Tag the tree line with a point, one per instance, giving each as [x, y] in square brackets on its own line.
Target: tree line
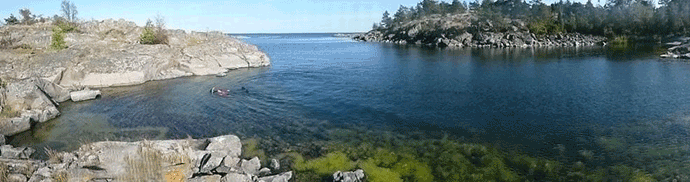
[614, 18]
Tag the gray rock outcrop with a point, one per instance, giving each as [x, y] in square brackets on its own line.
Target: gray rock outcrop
[138, 161]
[465, 30]
[35, 78]
[25, 103]
[680, 49]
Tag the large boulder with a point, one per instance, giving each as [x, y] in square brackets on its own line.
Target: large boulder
[24, 103]
[229, 145]
[250, 166]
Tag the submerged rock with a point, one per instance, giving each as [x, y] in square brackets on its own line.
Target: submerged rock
[349, 176]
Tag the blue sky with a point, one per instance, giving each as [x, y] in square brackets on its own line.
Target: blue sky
[237, 16]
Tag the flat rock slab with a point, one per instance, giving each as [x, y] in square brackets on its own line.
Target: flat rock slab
[82, 95]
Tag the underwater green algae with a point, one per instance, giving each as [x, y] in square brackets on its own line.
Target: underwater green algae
[325, 165]
[250, 148]
[388, 158]
[427, 160]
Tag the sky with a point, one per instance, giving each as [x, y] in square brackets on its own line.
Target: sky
[235, 16]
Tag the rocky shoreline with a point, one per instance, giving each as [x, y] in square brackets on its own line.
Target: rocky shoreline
[212, 159]
[680, 49]
[465, 30]
[34, 78]
[489, 39]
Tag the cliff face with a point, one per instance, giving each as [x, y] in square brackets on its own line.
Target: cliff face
[467, 30]
[101, 54]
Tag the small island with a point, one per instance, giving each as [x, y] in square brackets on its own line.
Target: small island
[512, 23]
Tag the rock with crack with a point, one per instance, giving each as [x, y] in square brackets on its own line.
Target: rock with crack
[25, 102]
[209, 162]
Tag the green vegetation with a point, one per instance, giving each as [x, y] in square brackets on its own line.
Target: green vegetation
[27, 18]
[615, 18]
[154, 34]
[621, 41]
[12, 20]
[58, 39]
[65, 26]
[250, 148]
[386, 158]
[326, 165]
[542, 27]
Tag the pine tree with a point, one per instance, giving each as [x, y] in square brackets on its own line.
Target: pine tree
[12, 20]
[386, 20]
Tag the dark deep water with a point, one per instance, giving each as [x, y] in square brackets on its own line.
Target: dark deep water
[529, 99]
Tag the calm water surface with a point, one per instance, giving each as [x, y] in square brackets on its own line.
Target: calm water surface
[534, 100]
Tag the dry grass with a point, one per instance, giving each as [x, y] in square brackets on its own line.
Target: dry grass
[60, 176]
[54, 156]
[147, 167]
[176, 174]
[150, 164]
[8, 112]
[192, 41]
[4, 171]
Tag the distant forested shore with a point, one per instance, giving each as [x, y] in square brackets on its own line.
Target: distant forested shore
[518, 23]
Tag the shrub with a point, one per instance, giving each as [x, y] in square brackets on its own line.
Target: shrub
[65, 26]
[12, 20]
[154, 34]
[58, 39]
[620, 41]
[542, 27]
[147, 36]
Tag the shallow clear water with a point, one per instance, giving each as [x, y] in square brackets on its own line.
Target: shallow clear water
[526, 99]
